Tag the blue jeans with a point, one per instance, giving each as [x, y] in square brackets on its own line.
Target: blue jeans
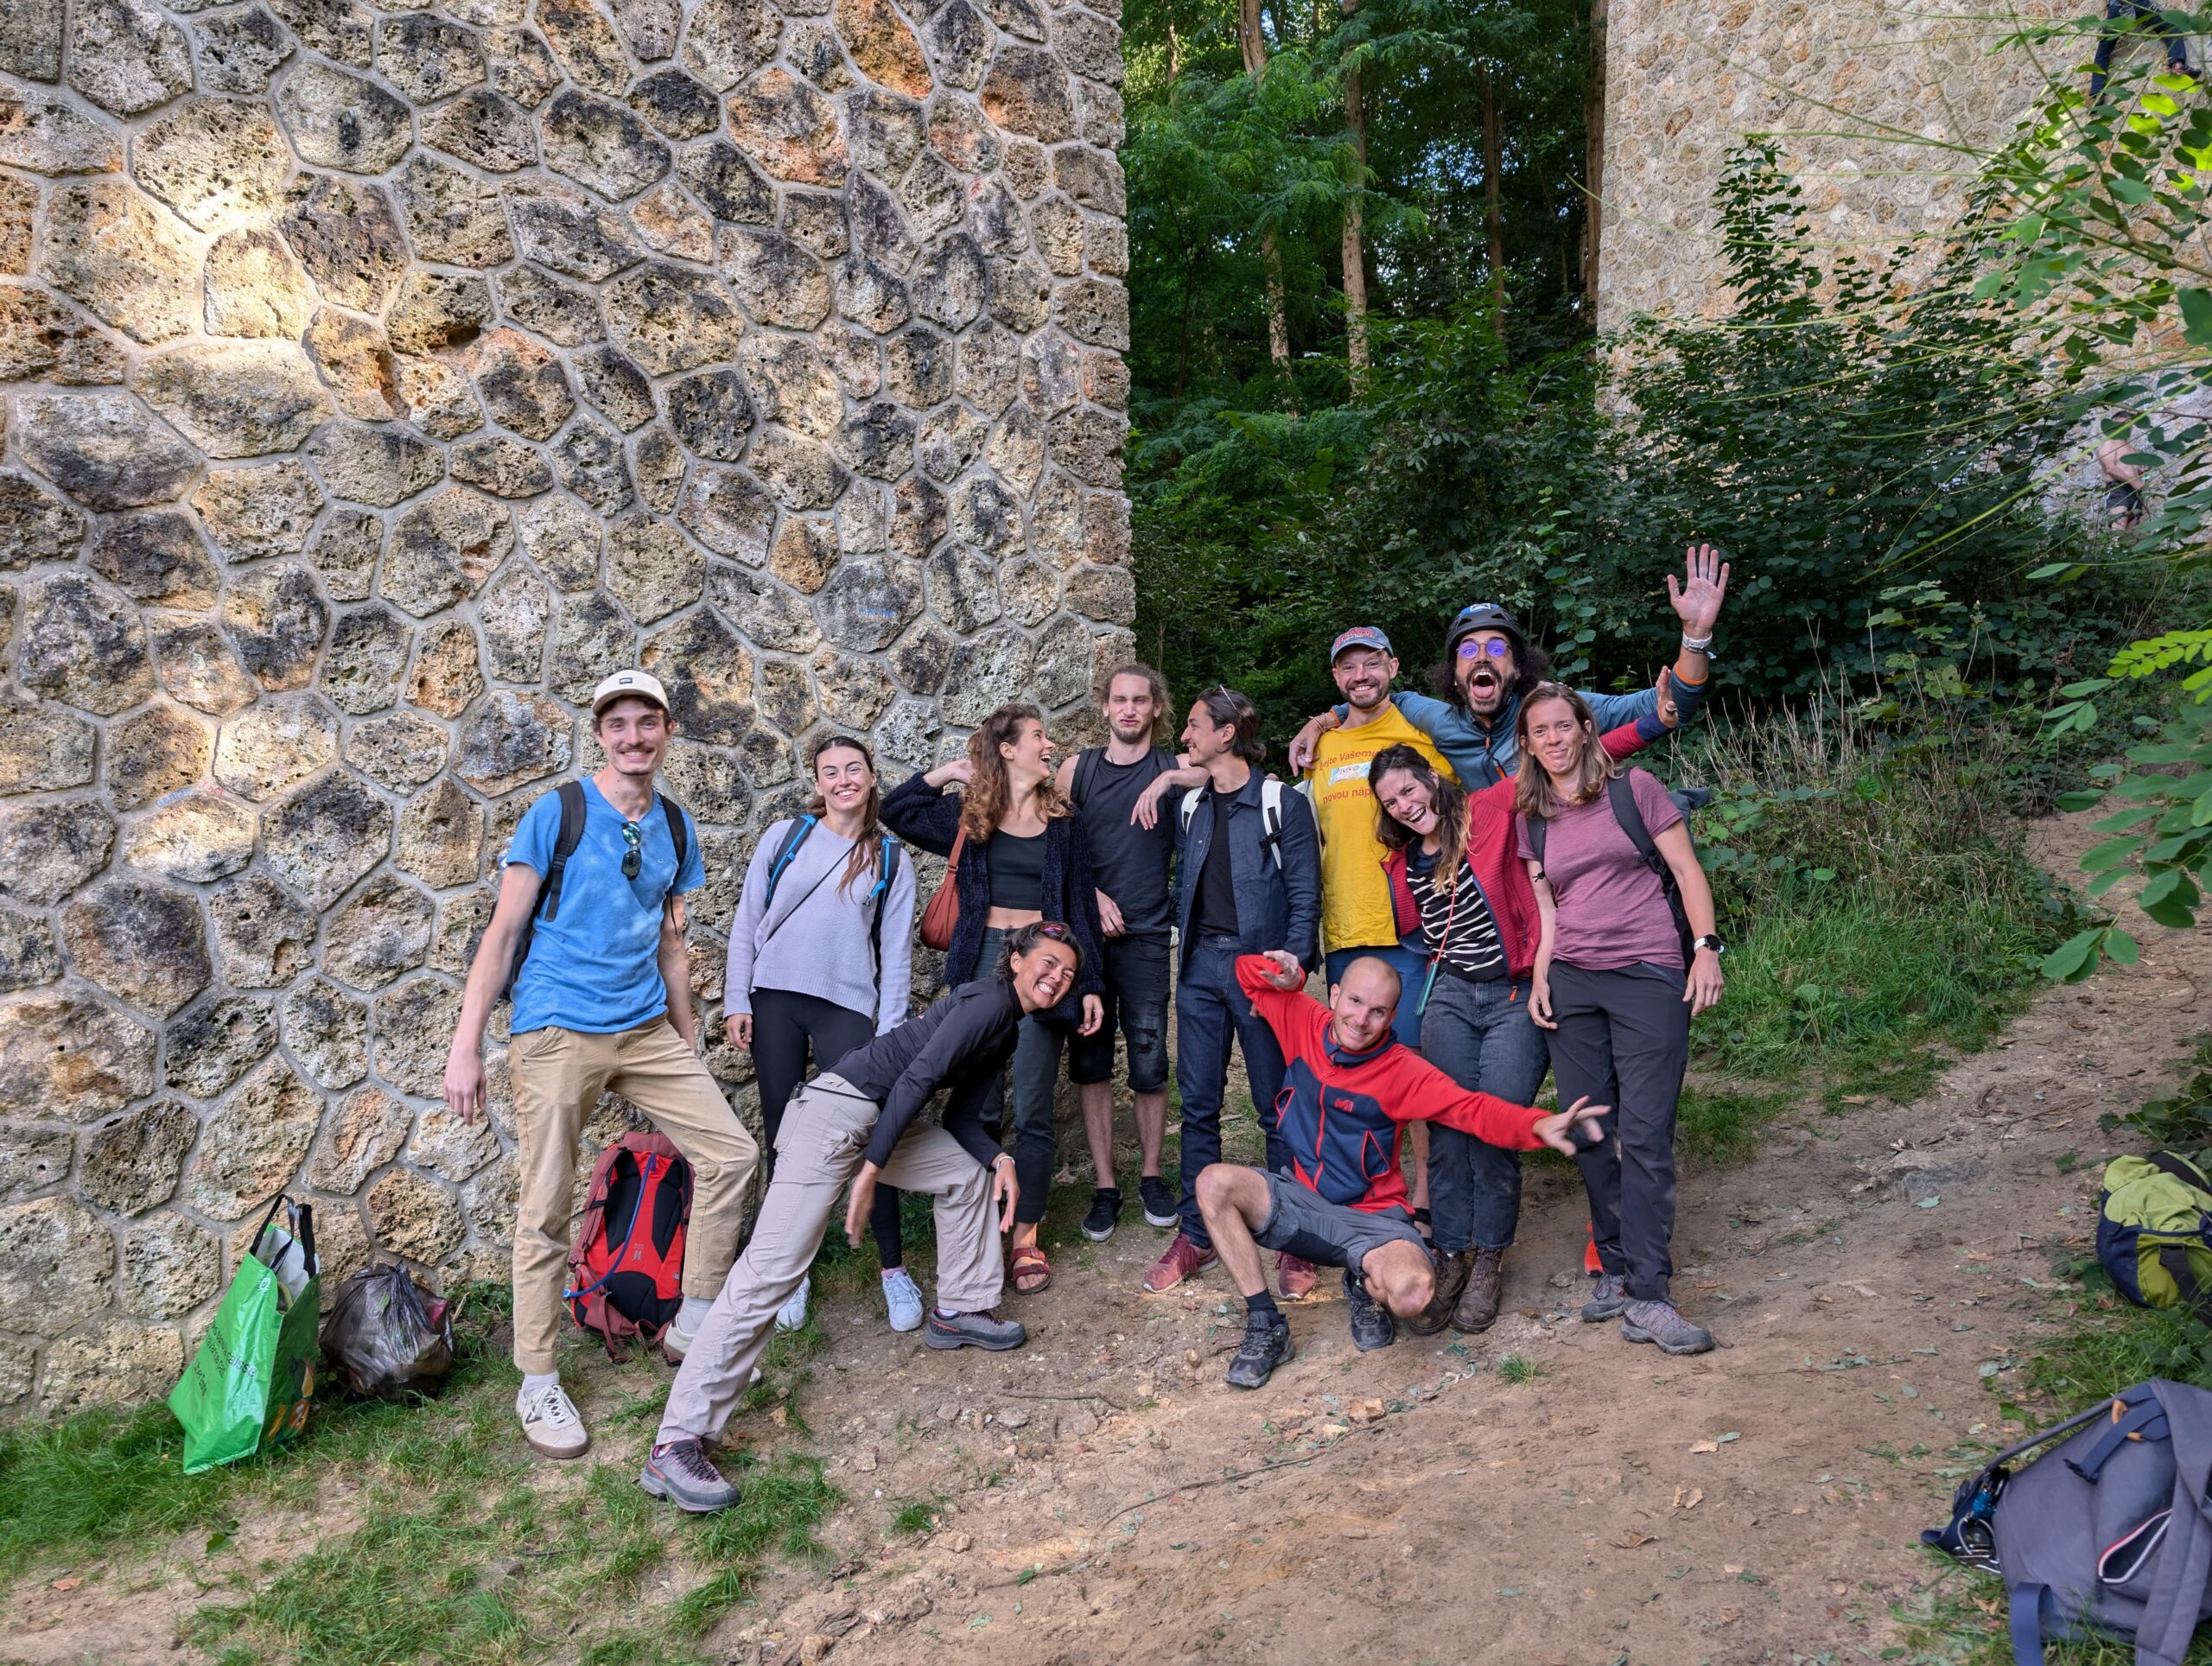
[1411, 966]
[1209, 1008]
[1481, 1036]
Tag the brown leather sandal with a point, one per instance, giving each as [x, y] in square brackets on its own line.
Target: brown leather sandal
[1029, 1264]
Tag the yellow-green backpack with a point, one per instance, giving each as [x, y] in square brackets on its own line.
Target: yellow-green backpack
[2154, 1231]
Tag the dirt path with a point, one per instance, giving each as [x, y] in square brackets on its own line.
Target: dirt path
[1867, 1275]
[1105, 1498]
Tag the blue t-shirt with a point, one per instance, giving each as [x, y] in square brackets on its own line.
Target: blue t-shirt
[596, 966]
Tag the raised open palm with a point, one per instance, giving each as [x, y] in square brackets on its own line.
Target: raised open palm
[1702, 589]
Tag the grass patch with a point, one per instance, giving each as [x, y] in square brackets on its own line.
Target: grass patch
[1519, 1368]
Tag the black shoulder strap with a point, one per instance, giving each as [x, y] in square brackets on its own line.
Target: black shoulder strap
[679, 835]
[564, 846]
[1536, 826]
[1086, 772]
[883, 902]
[2166, 1163]
[1622, 796]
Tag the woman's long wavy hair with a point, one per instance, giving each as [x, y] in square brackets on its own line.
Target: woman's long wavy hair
[1448, 796]
[985, 800]
[861, 863]
[1533, 792]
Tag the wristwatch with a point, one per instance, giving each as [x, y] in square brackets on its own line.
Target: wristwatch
[1709, 941]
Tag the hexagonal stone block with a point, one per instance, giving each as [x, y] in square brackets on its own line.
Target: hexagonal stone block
[484, 130]
[62, 1260]
[521, 383]
[776, 280]
[199, 836]
[47, 851]
[586, 44]
[42, 748]
[48, 136]
[104, 449]
[325, 837]
[381, 933]
[212, 1047]
[365, 1132]
[199, 667]
[510, 738]
[708, 675]
[251, 1147]
[29, 955]
[1028, 92]
[82, 642]
[263, 934]
[239, 50]
[402, 750]
[215, 160]
[139, 941]
[790, 128]
[348, 236]
[427, 58]
[414, 1030]
[588, 460]
[441, 836]
[326, 1032]
[338, 120]
[799, 472]
[727, 182]
[442, 549]
[256, 286]
[156, 752]
[236, 399]
[673, 224]
[277, 620]
[126, 57]
[415, 1216]
[562, 228]
[653, 568]
[671, 319]
[601, 145]
[170, 1266]
[867, 601]
[678, 104]
[453, 217]
[883, 47]
[724, 40]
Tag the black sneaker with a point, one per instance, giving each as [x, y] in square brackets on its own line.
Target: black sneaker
[1158, 1199]
[1105, 1211]
[1266, 1344]
[682, 1474]
[974, 1331]
[1372, 1327]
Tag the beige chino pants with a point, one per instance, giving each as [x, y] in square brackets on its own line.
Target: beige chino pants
[820, 1146]
[559, 1075]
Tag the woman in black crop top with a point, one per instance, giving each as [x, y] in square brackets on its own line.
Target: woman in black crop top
[1023, 858]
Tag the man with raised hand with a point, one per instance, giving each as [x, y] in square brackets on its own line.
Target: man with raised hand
[1490, 666]
[591, 893]
[1132, 864]
[1348, 1088]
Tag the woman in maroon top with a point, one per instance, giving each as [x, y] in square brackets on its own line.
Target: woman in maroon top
[1610, 984]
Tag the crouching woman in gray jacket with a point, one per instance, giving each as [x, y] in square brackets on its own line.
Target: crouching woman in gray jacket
[858, 1122]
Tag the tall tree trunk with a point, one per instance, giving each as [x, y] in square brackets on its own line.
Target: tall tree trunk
[1493, 213]
[1593, 140]
[1253, 45]
[1175, 55]
[1354, 253]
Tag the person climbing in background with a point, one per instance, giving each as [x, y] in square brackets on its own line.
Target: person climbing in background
[1132, 866]
[1628, 956]
[1458, 888]
[1490, 666]
[602, 1004]
[819, 960]
[2124, 496]
[2136, 17]
[1021, 857]
[860, 1122]
[1349, 1088]
[1248, 882]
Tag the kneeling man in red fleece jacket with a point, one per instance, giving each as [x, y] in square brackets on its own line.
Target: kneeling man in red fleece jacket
[1348, 1090]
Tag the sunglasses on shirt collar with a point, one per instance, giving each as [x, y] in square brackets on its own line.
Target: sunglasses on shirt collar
[634, 859]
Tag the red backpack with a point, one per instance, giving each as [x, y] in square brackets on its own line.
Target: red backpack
[626, 1269]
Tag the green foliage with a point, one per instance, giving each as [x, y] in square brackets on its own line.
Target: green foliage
[1517, 1369]
[2159, 805]
[2181, 1121]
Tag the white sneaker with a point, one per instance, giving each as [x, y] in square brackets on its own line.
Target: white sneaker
[551, 1424]
[902, 1300]
[792, 1316]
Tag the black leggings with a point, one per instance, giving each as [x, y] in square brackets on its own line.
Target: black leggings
[783, 1026]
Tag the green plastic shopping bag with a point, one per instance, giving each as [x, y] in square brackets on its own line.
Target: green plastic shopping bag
[252, 1381]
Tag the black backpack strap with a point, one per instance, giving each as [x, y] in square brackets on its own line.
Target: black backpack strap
[679, 835]
[1086, 772]
[1622, 795]
[564, 846]
[1535, 826]
[882, 902]
[2187, 1173]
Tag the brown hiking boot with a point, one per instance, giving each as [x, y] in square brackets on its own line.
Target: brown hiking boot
[1477, 1308]
[1451, 1270]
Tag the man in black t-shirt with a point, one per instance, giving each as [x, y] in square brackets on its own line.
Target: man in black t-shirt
[1131, 865]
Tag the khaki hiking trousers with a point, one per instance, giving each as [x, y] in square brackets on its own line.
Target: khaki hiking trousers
[820, 1146]
[559, 1075]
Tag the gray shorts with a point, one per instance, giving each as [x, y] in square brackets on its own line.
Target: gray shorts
[1307, 1224]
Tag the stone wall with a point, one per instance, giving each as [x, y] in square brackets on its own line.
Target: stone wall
[375, 380]
[1686, 80]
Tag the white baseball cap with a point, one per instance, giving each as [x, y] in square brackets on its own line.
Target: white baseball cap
[639, 685]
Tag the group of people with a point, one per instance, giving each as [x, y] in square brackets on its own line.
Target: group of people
[1485, 889]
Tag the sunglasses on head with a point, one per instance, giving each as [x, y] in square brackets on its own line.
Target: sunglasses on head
[1495, 648]
[634, 859]
[1054, 929]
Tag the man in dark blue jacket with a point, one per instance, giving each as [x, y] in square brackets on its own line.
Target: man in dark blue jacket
[1247, 882]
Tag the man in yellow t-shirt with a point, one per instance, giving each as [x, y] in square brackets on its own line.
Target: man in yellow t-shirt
[1355, 914]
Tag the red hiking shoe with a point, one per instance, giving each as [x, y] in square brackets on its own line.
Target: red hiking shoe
[1296, 1276]
[1184, 1259]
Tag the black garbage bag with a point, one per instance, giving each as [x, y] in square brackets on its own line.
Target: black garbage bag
[386, 1337]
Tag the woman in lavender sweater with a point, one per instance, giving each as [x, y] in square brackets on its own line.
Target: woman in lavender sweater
[819, 961]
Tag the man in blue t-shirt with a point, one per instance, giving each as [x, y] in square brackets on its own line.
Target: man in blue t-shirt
[602, 1004]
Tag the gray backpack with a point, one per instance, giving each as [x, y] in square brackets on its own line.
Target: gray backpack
[2109, 1533]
